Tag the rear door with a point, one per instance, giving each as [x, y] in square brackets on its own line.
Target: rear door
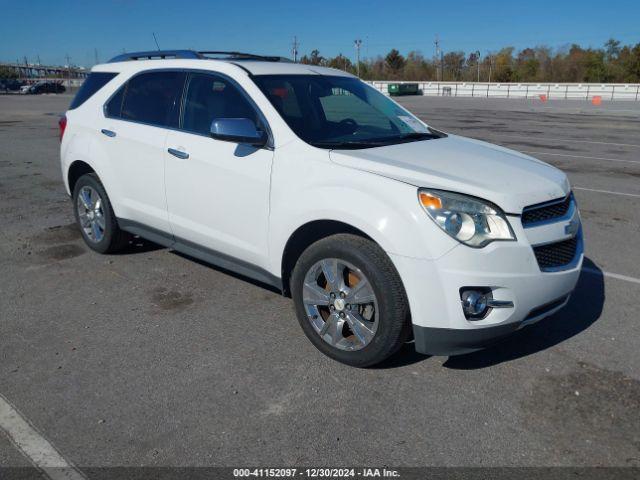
[135, 130]
[218, 191]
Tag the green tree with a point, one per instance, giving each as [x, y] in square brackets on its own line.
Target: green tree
[7, 72]
[314, 59]
[453, 63]
[630, 63]
[612, 49]
[527, 66]
[417, 67]
[340, 62]
[395, 62]
[503, 65]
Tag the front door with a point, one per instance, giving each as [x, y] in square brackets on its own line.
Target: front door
[217, 191]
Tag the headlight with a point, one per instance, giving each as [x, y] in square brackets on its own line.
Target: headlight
[469, 220]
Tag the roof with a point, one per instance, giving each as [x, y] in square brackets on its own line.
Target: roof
[273, 68]
[253, 64]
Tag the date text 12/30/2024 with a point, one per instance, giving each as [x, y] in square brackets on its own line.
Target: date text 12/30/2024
[315, 472]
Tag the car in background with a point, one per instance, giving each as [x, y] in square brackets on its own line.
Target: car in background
[10, 84]
[43, 87]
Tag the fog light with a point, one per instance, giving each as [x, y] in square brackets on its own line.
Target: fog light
[474, 303]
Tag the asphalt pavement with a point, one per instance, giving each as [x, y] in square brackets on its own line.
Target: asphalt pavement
[150, 358]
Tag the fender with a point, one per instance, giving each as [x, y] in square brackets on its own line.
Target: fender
[394, 219]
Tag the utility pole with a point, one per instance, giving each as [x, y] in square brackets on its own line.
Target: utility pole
[478, 62]
[438, 59]
[294, 49]
[358, 44]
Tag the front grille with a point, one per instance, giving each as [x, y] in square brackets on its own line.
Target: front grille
[556, 254]
[543, 212]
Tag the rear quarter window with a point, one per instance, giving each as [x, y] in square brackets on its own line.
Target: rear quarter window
[94, 82]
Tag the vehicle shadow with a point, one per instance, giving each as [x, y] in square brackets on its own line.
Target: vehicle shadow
[584, 308]
[139, 245]
[407, 355]
[231, 273]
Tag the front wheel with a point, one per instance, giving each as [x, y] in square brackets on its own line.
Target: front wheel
[350, 300]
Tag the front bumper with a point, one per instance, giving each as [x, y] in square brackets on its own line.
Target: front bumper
[509, 269]
[450, 341]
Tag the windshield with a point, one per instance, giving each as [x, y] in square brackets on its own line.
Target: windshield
[340, 112]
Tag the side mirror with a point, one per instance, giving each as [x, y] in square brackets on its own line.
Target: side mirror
[238, 130]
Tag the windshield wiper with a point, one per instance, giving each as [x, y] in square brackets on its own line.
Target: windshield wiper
[350, 144]
[419, 136]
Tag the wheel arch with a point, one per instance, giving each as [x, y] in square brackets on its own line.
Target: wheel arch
[304, 236]
[77, 169]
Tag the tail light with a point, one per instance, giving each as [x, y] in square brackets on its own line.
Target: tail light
[62, 123]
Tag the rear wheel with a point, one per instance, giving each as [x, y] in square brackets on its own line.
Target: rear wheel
[95, 216]
[350, 301]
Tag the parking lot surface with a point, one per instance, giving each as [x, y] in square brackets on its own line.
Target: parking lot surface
[150, 358]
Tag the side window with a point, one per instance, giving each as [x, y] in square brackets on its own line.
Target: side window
[284, 98]
[151, 98]
[113, 108]
[210, 97]
[94, 82]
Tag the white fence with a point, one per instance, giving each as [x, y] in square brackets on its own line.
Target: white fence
[551, 91]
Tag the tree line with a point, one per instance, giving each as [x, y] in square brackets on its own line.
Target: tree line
[613, 63]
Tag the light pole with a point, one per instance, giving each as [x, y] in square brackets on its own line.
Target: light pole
[358, 44]
[478, 62]
[294, 49]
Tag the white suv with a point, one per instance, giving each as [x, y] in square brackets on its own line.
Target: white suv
[381, 228]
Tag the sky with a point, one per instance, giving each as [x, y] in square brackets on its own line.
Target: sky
[51, 30]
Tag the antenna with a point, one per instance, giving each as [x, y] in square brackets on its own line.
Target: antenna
[155, 40]
[358, 44]
[294, 49]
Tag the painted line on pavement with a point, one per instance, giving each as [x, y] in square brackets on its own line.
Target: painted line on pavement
[617, 276]
[34, 446]
[581, 156]
[535, 138]
[635, 195]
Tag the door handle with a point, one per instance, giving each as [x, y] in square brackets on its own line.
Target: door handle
[108, 133]
[178, 153]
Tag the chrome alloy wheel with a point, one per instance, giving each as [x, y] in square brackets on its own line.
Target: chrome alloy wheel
[340, 304]
[89, 205]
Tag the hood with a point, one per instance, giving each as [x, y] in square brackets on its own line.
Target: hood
[505, 177]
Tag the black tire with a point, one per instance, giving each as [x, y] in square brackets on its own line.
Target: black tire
[114, 239]
[394, 325]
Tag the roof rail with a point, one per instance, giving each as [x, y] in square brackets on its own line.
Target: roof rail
[155, 55]
[242, 56]
[192, 54]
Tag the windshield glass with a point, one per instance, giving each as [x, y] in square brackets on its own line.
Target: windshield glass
[340, 112]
